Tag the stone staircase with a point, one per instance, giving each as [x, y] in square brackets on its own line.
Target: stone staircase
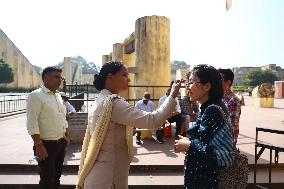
[141, 177]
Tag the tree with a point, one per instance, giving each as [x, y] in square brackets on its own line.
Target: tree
[6, 72]
[258, 77]
[38, 69]
[87, 68]
[179, 64]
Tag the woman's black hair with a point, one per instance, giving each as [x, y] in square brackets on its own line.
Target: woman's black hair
[110, 67]
[208, 74]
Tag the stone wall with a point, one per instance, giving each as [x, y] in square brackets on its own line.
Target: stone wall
[88, 79]
[181, 74]
[72, 71]
[25, 75]
[146, 53]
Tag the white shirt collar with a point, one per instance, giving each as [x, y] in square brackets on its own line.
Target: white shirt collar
[105, 92]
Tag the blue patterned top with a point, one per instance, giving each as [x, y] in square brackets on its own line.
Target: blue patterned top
[201, 164]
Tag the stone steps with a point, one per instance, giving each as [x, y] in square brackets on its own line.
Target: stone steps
[141, 177]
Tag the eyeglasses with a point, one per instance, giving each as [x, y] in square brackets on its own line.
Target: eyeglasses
[188, 84]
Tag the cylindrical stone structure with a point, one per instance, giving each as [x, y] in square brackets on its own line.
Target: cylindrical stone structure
[117, 52]
[152, 48]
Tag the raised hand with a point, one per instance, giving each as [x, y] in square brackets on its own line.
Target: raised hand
[175, 87]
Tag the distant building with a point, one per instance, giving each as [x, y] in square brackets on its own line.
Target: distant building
[72, 71]
[181, 74]
[242, 72]
[87, 79]
[25, 74]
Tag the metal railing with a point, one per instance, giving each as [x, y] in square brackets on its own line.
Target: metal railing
[12, 103]
[89, 91]
[74, 90]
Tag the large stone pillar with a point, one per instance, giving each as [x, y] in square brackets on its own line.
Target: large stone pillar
[117, 52]
[105, 59]
[152, 48]
[67, 70]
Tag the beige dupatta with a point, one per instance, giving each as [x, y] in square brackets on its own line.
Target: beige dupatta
[92, 143]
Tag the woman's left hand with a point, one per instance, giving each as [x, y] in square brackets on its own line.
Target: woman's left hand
[182, 145]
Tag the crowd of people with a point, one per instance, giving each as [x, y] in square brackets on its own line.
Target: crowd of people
[206, 121]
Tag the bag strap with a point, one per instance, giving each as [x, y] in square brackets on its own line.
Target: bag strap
[220, 110]
[226, 124]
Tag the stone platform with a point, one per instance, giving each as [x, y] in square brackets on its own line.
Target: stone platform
[153, 164]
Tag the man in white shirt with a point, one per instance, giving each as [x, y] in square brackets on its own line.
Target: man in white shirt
[69, 107]
[47, 125]
[176, 115]
[146, 105]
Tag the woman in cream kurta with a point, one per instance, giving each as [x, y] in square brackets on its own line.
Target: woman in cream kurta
[111, 167]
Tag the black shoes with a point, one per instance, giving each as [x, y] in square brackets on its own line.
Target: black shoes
[138, 140]
[160, 141]
[160, 137]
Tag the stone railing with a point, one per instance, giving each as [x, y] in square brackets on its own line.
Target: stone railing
[77, 126]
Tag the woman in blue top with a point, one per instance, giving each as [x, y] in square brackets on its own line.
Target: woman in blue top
[209, 145]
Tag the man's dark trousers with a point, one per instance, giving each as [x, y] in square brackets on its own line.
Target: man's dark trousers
[50, 169]
[178, 119]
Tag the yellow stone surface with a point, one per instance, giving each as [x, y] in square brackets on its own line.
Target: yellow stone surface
[146, 52]
[146, 134]
[129, 61]
[72, 71]
[263, 102]
[152, 46]
[25, 75]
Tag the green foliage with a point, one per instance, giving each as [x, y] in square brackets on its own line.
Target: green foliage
[176, 64]
[6, 72]
[38, 69]
[258, 77]
[87, 68]
[15, 90]
[179, 64]
[239, 88]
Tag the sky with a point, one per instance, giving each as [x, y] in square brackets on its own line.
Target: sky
[201, 31]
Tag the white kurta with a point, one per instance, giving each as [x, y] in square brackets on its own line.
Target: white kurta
[111, 168]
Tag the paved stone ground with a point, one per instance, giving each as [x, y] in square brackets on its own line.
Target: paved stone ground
[16, 148]
[16, 145]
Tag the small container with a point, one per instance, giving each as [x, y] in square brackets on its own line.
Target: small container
[168, 131]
